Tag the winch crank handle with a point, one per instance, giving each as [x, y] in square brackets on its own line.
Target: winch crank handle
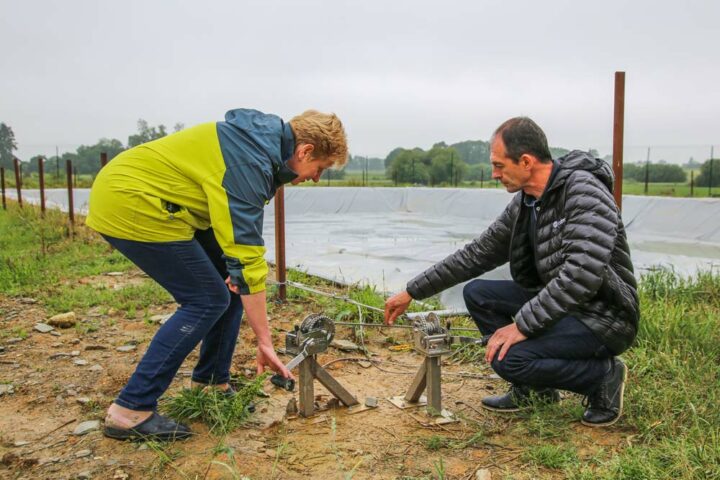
[282, 382]
[288, 383]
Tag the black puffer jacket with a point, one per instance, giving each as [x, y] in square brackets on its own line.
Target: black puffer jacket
[581, 265]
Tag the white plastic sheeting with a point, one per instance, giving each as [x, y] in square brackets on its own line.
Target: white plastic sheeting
[385, 236]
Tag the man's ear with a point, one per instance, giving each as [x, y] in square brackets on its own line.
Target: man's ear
[527, 160]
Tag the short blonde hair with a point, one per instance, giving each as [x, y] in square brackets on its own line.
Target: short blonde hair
[325, 132]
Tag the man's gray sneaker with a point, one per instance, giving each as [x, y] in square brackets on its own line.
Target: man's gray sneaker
[519, 396]
[604, 405]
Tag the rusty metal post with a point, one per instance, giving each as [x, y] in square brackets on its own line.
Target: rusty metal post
[280, 273]
[103, 159]
[41, 177]
[18, 182]
[710, 181]
[71, 207]
[618, 132]
[692, 182]
[2, 181]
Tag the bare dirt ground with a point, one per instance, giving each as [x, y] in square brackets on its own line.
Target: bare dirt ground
[55, 381]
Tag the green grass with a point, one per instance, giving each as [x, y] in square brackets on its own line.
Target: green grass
[221, 413]
[551, 456]
[667, 189]
[630, 187]
[40, 258]
[673, 391]
[36, 251]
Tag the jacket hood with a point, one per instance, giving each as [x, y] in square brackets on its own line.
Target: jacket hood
[577, 160]
[267, 131]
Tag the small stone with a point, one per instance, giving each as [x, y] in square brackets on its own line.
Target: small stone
[63, 320]
[14, 340]
[43, 327]
[55, 333]
[96, 368]
[75, 353]
[20, 443]
[82, 400]
[95, 347]
[85, 427]
[120, 475]
[28, 300]
[111, 462]
[371, 402]
[483, 474]
[45, 461]
[292, 408]
[114, 274]
[80, 361]
[344, 345]
[56, 345]
[365, 364]
[161, 319]
[6, 389]
[83, 453]
[270, 453]
[71, 393]
[143, 447]
[84, 475]
[58, 355]
[126, 348]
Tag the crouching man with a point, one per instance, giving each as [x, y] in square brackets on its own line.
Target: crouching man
[572, 305]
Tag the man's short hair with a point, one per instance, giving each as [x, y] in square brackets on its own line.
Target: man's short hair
[325, 132]
[521, 135]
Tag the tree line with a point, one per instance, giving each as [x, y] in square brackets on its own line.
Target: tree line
[442, 164]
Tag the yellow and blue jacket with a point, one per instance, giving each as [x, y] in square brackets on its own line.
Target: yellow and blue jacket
[218, 175]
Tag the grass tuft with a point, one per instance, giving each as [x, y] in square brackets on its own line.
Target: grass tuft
[220, 412]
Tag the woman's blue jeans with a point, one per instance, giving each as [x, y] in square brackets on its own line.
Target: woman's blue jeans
[567, 355]
[194, 273]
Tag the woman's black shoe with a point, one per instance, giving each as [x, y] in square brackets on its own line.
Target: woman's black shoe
[156, 427]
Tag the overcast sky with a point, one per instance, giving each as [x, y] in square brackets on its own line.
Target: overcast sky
[398, 73]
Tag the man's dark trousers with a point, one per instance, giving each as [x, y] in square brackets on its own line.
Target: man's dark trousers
[566, 356]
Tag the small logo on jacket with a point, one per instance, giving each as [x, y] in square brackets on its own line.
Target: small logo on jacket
[557, 224]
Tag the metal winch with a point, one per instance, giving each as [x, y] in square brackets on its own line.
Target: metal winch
[311, 337]
[433, 341]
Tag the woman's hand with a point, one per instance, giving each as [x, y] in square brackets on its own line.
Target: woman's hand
[267, 358]
[233, 288]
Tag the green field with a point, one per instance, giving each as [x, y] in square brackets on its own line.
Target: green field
[378, 179]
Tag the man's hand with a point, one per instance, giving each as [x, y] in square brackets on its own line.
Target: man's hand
[266, 357]
[396, 305]
[503, 339]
